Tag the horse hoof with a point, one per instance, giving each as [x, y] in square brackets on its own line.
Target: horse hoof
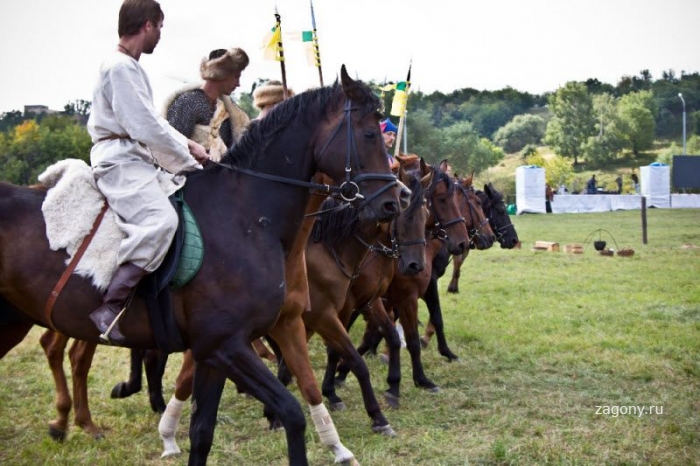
[423, 343]
[384, 359]
[99, 436]
[452, 289]
[392, 400]
[339, 406]
[384, 430]
[57, 434]
[170, 453]
[434, 389]
[350, 462]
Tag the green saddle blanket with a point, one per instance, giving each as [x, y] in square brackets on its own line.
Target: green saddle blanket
[192, 252]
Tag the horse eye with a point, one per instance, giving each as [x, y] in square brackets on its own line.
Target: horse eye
[370, 134]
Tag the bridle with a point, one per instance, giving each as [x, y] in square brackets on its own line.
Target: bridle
[439, 230]
[498, 231]
[349, 190]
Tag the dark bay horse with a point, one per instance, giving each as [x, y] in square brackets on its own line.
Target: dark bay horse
[247, 231]
[446, 226]
[495, 210]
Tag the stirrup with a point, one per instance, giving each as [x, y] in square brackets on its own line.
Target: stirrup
[104, 337]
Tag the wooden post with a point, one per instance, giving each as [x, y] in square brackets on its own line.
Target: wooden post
[644, 220]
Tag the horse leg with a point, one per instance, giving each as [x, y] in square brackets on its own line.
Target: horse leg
[432, 300]
[240, 363]
[81, 354]
[453, 287]
[381, 319]
[154, 362]
[290, 334]
[335, 336]
[167, 427]
[11, 334]
[427, 334]
[263, 351]
[408, 315]
[54, 345]
[133, 384]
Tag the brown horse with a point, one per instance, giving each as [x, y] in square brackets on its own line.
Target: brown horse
[237, 294]
[481, 236]
[340, 248]
[495, 209]
[446, 226]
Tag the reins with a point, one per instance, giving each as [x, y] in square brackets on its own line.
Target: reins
[349, 191]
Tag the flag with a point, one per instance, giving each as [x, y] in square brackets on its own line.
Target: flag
[398, 105]
[308, 38]
[272, 44]
[387, 87]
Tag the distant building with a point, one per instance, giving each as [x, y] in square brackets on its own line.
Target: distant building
[38, 110]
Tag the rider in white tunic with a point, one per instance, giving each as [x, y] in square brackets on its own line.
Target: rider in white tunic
[130, 139]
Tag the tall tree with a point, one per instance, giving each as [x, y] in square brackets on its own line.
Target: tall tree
[637, 111]
[573, 122]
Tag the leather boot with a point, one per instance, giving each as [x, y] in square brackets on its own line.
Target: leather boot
[123, 282]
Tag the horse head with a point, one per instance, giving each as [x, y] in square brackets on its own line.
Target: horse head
[350, 150]
[495, 209]
[444, 216]
[408, 229]
[480, 232]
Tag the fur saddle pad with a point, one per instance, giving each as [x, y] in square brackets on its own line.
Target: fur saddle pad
[70, 208]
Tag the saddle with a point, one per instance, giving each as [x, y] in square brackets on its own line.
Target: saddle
[70, 208]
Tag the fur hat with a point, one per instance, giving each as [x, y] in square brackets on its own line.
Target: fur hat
[270, 93]
[221, 63]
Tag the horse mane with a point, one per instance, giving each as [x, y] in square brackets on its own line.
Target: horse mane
[441, 176]
[417, 196]
[306, 109]
[335, 225]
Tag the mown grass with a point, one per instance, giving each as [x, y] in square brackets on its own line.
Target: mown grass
[544, 338]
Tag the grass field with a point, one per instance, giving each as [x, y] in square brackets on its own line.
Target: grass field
[555, 349]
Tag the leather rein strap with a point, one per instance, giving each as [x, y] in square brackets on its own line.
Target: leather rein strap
[48, 308]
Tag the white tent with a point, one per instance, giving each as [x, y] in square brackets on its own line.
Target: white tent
[655, 184]
[529, 189]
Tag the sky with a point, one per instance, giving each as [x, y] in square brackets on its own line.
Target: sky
[51, 50]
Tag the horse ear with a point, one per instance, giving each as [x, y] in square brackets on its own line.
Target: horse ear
[468, 180]
[487, 190]
[424, 166]
[350, 87]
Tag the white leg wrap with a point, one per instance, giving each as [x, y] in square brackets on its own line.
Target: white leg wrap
[167, 427]
[327, 433]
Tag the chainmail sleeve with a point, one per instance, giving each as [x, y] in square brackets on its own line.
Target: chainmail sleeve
[189, 109]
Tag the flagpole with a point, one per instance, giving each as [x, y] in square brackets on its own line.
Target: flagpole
[278, 19]
[317, 50]
[402, 118]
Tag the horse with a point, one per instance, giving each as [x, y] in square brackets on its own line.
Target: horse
[338, 250]
[495, 209]
[481, 237]
[261, 190]
[446, 226]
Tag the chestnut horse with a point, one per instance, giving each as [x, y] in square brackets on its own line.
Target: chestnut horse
[261, 191]
[447, 226]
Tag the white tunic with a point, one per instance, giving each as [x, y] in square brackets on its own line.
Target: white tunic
[124, 168]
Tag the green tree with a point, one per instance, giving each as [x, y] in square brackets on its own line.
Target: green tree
[466, 150]
[519, 132]
[609, 140]
[423, 137]
[573, 122]
[636, 111]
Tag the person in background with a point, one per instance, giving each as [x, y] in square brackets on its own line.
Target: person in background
[549, 197]
[268, 95]
[205, 111]
[635, 182]
[591, 186]
[389, 131]
[562, 189]
[129, 139]
[618, 181]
